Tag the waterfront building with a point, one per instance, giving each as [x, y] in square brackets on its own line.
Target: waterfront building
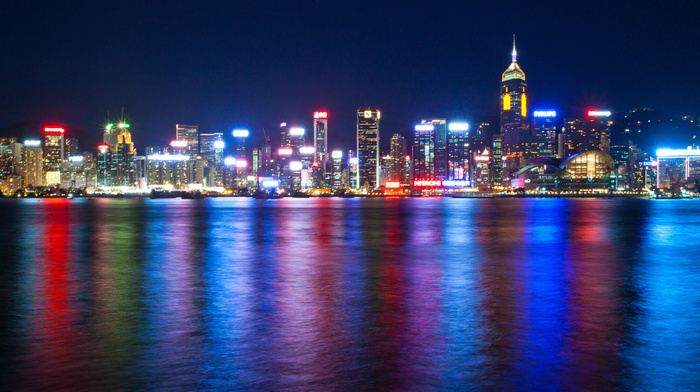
[497, 160]
[167, 170]
[368, 149]
[211, 149]
[458, 151]
[588, 133]
[545, 129]
[424, 151]
[321, 136]
[189, 134]
[32, 162]
[677, 168]
[337, 178]
[54, 149]
[514, 122]
[397, 152]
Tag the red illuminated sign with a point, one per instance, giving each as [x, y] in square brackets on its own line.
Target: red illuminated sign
[54, 130]
[426, 182]
[315, 164]
[103, 146]
[320, 114]
[393, 184]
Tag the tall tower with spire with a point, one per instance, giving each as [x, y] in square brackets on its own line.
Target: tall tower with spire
[514, 123]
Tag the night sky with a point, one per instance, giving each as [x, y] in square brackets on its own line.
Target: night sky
[255, 64]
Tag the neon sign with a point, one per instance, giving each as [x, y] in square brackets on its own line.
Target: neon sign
[296, 131]
[544, 113]
[482, 158]
[219, 144]
[178, 143]
[320, 114]
[425, 127]
[337, 155]
[284, 151]
[54, 130]
[455, 183]
[32, 143]
[458, 127]
[241, 163]
[596, 113]
[241, 133]
[427, 183]
[393, 184]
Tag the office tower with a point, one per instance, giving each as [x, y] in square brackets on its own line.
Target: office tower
[514, 123]
[589, 133]
[424, 151]
[480, 168]
[458, 151]
[103, 176]
[545, 123]
[54, 148]
[385, 170]
[240, 138]
[211, 148]
[321, 136]
[368, 148]
[71, 147]
[110, 135]
[190, 134]
[168, 170]
[32, 160]
[122, 160]
[398, 153]
[296, 140]
[497, 160]
[337, 177]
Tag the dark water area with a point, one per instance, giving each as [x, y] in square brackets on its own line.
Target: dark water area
[350, 294]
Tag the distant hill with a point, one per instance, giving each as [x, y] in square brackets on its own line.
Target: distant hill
[651, 129]
[25, 130]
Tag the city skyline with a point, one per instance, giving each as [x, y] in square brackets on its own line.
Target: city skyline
[265, 78]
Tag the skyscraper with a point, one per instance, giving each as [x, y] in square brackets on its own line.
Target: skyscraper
[589, 133]
[190, 134]
[32, 160]
[514, 124]
[320, 136]
[424, 151]
[397, 152]
[54, 153]
[211, 148]
[368, 148]
[458, 151]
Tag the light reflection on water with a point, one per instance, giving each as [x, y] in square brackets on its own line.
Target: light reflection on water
[350, 294]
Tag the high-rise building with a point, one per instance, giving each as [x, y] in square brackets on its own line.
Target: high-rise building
[190, 134]
[424, 151]
[497, 160]
[514, 123]
[546, 126]
[321, 136]
[589, 133]
[397, 152]
[458, 151]
[211, 148]
[368, 148]
[32, 160]
[122, 160]
[54, 154]
[104, 174]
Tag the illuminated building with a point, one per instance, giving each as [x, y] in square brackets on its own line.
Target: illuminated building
[32, 160]
[10, 165]
[398, 152]
[497, 160]
[321, 136]
[481, 169]
[71, 147]
[104, 159]
[514, 123]
[677, 167]
[545, 124]
[589, 170]
[122, 160]
[337, 178]
[385, 170]
[368, 148]
[190, 134]
[54, 149]
[240, 138]
[297, 140]
[169, 170]
[589, 133]
[424, 151]
[211, 148]
[458, 151]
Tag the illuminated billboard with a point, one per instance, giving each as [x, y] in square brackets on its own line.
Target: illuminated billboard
[424, 182]
[219, 144]
[241, 163]
[178, 143]
[32, 143]
[424, 127]
[599, 113]
[353, 161]
[458, 127]
[677, 153]
[320, 114]
[103, 147]
[482, 158]
[306, 150]
[269, 183]
[295, 166]
[393, 184]
[54, 130]
[544, 113]
[455, 183]
[229, 161]
[296, 131]
[76, 158]
[284, 151]
[241, 133]
[337, 154]
[168, 157]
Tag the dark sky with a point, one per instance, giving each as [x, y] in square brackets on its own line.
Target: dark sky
[257, 63]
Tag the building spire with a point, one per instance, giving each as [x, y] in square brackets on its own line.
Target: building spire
[515, 54]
